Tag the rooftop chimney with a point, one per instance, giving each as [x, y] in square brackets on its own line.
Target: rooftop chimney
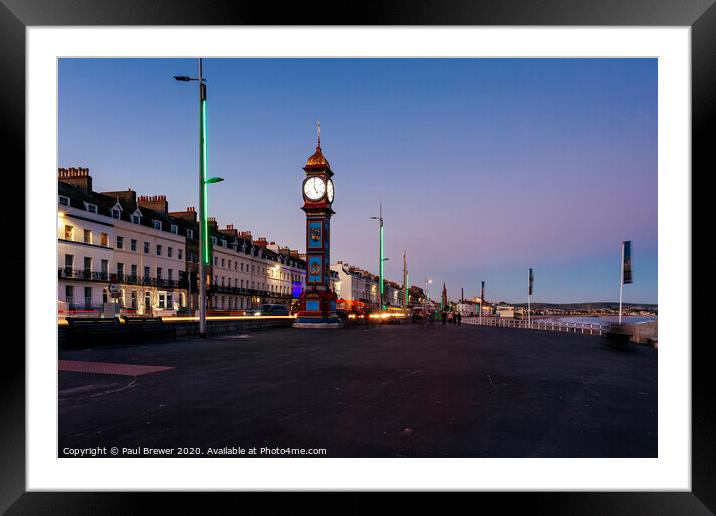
[78, 177]
[261, 241]
[189, 214]
[154, 202]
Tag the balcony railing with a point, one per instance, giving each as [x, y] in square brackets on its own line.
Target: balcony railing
[128, 279]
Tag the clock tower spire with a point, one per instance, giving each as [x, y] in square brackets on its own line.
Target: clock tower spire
[318, 301]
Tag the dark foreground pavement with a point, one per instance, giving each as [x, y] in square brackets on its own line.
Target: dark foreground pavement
[387, 391]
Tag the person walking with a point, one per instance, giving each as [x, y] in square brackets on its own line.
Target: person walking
[444, 317]
[459, 318]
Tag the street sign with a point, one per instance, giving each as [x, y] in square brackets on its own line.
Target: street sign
[114, 290]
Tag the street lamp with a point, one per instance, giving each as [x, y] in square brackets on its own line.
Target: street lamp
[380, 256]
[428, 281]
[203, 182]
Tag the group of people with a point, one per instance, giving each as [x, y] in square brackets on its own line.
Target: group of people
[448, 316]
[452, 317]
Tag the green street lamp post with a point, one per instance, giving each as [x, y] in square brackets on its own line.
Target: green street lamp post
[380, 257]
[204, 249]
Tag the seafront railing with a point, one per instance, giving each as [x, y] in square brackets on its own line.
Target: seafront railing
[561, 326]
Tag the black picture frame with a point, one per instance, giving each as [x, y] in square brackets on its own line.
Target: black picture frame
[17, 15]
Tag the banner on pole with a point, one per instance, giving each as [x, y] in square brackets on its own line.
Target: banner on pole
[627, 262]
[531, 282]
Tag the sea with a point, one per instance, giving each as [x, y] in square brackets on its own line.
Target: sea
[627, 319]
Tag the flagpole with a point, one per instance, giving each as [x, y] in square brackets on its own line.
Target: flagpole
[529, 299]
[621, 284]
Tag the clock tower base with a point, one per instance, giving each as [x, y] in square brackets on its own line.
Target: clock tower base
[318, 310]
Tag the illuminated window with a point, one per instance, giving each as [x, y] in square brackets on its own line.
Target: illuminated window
[103, 239]
[69, 232]
[88, 236]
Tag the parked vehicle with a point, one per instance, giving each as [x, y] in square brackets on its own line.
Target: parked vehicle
[270, 310]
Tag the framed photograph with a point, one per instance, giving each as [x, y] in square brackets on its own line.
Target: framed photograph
[431, 252]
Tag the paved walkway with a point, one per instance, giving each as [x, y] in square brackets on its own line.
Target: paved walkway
[387, 391]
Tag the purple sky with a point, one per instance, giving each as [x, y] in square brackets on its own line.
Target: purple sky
[485, 167]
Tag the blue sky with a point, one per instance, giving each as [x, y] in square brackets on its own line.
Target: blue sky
[485, 167]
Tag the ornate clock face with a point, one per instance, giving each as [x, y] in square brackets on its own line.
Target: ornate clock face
[329, 191]
[314, 188]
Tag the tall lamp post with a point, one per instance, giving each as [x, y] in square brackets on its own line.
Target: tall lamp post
[380, 257]
[203, 182]
[428, 281]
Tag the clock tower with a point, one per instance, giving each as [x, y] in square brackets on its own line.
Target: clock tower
[318, 301]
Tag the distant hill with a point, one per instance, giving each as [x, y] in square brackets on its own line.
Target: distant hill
[590, 306]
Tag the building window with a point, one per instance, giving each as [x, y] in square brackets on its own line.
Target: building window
[104, 269]
[69, 263]
[159, 250]
[133, 245]
[92, 208]
[103, 239]
[88, 298]
[170, 274]
[223, 262]
[146, 247]
[158, 224]
[134, 271]
[216, 261]
[179, 253]
[69, 295]
[190, 233]
[69, 232]
[88, 236]
[159, 273]
[174, 229]
[88, 265]
[120, 271]
[64, 201]
[115, 213]
[213, 241]
[133, 299]
[223, 243]
[136, 219]
[162, 296]
[169, 252]
[229, 263]
[146, 273]
[120, 242]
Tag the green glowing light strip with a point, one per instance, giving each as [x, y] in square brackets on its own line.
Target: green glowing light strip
[204, 220]
[381, 262]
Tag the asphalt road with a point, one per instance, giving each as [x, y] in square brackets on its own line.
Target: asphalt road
[386, 391]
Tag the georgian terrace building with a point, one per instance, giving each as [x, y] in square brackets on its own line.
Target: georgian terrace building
[111, 240]
[153, 256]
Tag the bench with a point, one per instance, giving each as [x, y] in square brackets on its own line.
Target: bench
[82, 331]
[149, 328]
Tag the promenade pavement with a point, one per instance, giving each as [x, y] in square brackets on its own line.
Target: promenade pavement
[383, 391]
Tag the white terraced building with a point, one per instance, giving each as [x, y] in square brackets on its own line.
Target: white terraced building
[110, 239]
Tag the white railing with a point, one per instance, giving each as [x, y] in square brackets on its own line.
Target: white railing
[561, 326]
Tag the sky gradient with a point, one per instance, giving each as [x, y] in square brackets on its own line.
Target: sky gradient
[485, 167]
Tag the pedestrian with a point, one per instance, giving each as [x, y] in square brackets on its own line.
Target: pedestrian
[444, 317]
[459, 318]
